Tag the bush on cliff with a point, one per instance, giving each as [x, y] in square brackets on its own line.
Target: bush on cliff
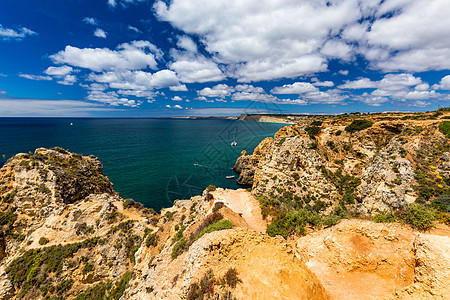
[312, 131]
[359, 125]
[419, 216]
[445, 128]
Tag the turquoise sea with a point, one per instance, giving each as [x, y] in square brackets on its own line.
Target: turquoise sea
[153, 161]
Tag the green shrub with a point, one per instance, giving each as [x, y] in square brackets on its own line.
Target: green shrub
[419, 216]
[313, 131]
[152, 240]
[120, 286]
[384, 217]
[442, 203]
[292, 223]
[87, 268]
[316, 123]
[219, 225]
[359, 125]
[281, 141]
[179, 247]
[43, 241]
[445, 128]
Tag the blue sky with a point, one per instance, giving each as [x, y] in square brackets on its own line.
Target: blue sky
[140, 58]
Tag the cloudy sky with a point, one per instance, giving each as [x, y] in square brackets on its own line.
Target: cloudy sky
[201, 57]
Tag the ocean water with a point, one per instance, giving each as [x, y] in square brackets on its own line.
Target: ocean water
[153, 161]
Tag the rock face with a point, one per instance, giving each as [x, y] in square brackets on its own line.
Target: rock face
[65, 233]
[370, 170]
[363, 260]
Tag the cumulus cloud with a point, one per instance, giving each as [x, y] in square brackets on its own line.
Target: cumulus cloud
[192, 66]
[287, 39]
[136, 80]
[179, 88]
[15, 34]
[68, 80]
[295, 88]
[90, 21]
[58, 71]
[363, 83]
[35, 77]
[175, 106]
[415, 37]
[279, 39]
[389, 82]
[326, 83]
[111, 98]
[220, 91]
[127, 56]
[100, 33]
[444, 84]
[177, 98]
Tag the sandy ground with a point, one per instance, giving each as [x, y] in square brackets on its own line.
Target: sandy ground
[242, 202]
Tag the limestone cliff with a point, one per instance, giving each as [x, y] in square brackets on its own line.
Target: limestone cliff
[396, 160]
[65, 234]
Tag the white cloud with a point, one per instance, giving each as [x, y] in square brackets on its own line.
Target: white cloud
[249, 88]
[35, 77]
[264, 40]
[179, 88]
[389, 82]
[295, 88]
[128, 56]
[415, 37]
[444, 84]
[193, 67]
[19, 34]
[58, 71]
[220, 91]
[363, 83]
[90, 21]
[111, 98]
[327, 83]
[333, 96]
[337, 49]
[268, 40]
[149, 95]
[100, 33]
[132, 28]
[343, 72]
[136, 80]
[49, 108]
[123, 3]
[177, 98]
[3, 75]
[68, 80]
[175, 106]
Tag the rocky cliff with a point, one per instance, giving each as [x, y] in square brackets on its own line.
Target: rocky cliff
[65, 233]
[385, 162]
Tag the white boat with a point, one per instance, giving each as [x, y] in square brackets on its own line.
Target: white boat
[71, 124]
[233, 143]
[230, 177]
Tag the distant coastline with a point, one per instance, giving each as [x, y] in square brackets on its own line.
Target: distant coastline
[267, 118]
